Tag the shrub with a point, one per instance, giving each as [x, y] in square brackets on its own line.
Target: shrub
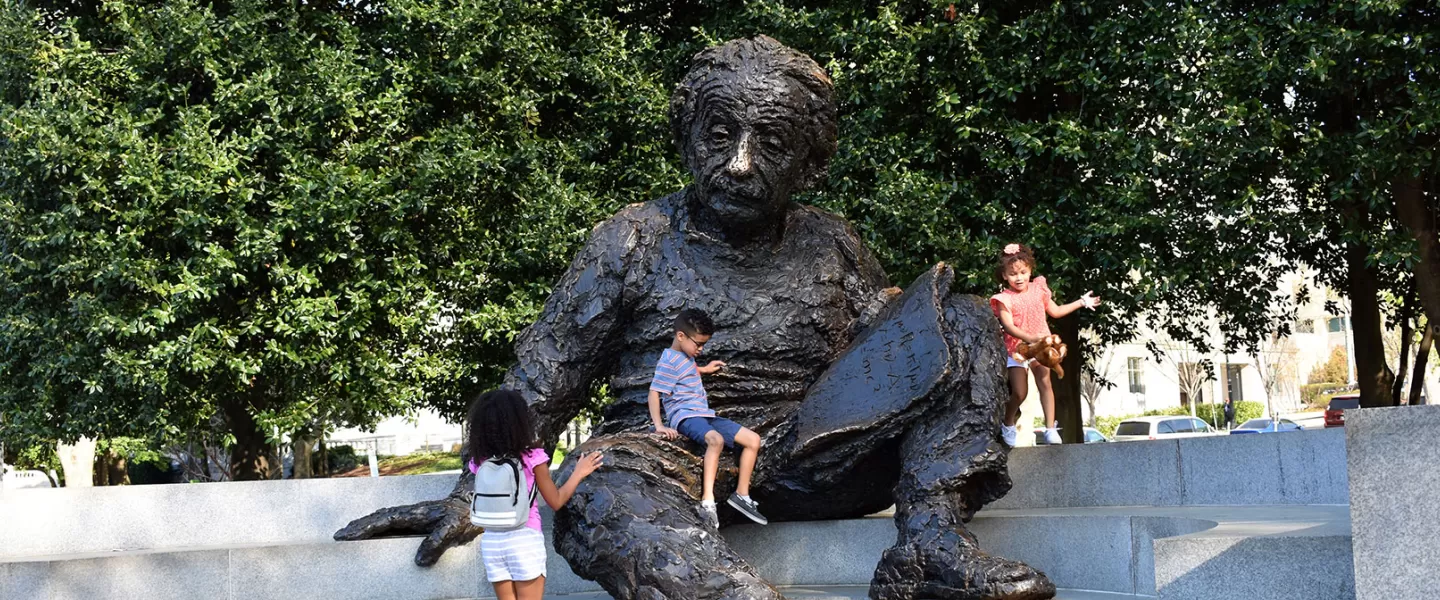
[1318, 395]
[1107, 425]
[339, 459]
[1337, 368]
[153, 469]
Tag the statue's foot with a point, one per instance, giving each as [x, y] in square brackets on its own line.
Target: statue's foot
[946, 566]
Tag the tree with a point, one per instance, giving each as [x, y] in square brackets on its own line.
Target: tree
[269, 211]
[1357, 132]
[1095, 132]
[1276, 362]
[1093, 382]
[1422, 359]
[1335, 370]
[1192, 369]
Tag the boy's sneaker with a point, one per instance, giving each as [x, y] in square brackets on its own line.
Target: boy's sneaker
[749, 508]
[1011, 434]
[1052, 436]
[708, 517]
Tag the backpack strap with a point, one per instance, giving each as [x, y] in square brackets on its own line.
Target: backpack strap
[515, 466]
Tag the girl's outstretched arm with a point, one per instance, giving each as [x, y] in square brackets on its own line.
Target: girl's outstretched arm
[1056, 311]
[557, 498]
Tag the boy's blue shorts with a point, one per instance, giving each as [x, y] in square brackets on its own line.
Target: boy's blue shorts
[695, 428]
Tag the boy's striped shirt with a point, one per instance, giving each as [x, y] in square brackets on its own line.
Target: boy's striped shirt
[681, 394]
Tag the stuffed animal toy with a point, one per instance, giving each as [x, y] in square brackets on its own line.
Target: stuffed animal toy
[1049, 351]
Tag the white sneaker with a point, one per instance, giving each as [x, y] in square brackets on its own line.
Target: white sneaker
[1010, 433]
[708, 517]
[1052, 436]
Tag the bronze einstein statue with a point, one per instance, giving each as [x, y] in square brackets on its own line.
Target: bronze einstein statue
[864, 396]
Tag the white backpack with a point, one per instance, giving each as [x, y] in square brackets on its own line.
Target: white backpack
[503, 497]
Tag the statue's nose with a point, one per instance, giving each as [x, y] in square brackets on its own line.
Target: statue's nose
[739, 164]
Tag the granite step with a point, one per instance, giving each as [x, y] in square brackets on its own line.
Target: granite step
[1179, 553]
[1183, 552]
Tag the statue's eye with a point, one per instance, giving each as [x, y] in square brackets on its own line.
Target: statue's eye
[772, 143]
[719, 134]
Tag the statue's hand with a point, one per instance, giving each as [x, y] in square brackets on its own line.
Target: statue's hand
[446, 524]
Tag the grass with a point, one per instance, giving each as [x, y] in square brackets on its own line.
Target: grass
[410, 464]
[424, 462]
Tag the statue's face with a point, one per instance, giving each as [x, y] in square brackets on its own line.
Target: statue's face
[749, 151]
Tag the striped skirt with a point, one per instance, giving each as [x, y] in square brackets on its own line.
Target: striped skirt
[516, 555]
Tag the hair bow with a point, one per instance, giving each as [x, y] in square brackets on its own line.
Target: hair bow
[1012, 248]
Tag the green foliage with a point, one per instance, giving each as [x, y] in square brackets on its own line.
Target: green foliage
[327, 213]
[1093, 131]
[39, 456]
[1318, 395]
[299, 212]
[339, 459]
[151, 470]
[1107, 425]
[1336, 368]
[133, 449]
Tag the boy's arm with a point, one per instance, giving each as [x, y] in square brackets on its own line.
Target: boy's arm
[655, 419]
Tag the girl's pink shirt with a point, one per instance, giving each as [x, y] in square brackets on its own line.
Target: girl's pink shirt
[1027, 310]
[532, 458]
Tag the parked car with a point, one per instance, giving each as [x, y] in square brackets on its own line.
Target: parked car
[1161, 428]
[1092, 436]
[1266, 425]
[17, 480]
[1335, 414]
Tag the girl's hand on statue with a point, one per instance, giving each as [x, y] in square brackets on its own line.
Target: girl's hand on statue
[714, 366]
[588, 464]
[1090, 300]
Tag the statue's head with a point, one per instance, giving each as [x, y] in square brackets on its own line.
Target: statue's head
[755, 123]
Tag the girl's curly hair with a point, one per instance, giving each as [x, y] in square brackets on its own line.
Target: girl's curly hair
[501, 425]
[1014, 253]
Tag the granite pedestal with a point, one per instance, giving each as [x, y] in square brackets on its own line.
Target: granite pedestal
[1394, 462]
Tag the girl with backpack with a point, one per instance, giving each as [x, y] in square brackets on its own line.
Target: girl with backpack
[502, 440]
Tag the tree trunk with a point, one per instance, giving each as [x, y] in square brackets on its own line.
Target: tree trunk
[110, 469]
[1373, 375]
[101, 470]
[1067, 390]
[1418, 217]
[1422, 358]
[1397, 391]
[250, 456]
[119, 474]
[300, 451]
